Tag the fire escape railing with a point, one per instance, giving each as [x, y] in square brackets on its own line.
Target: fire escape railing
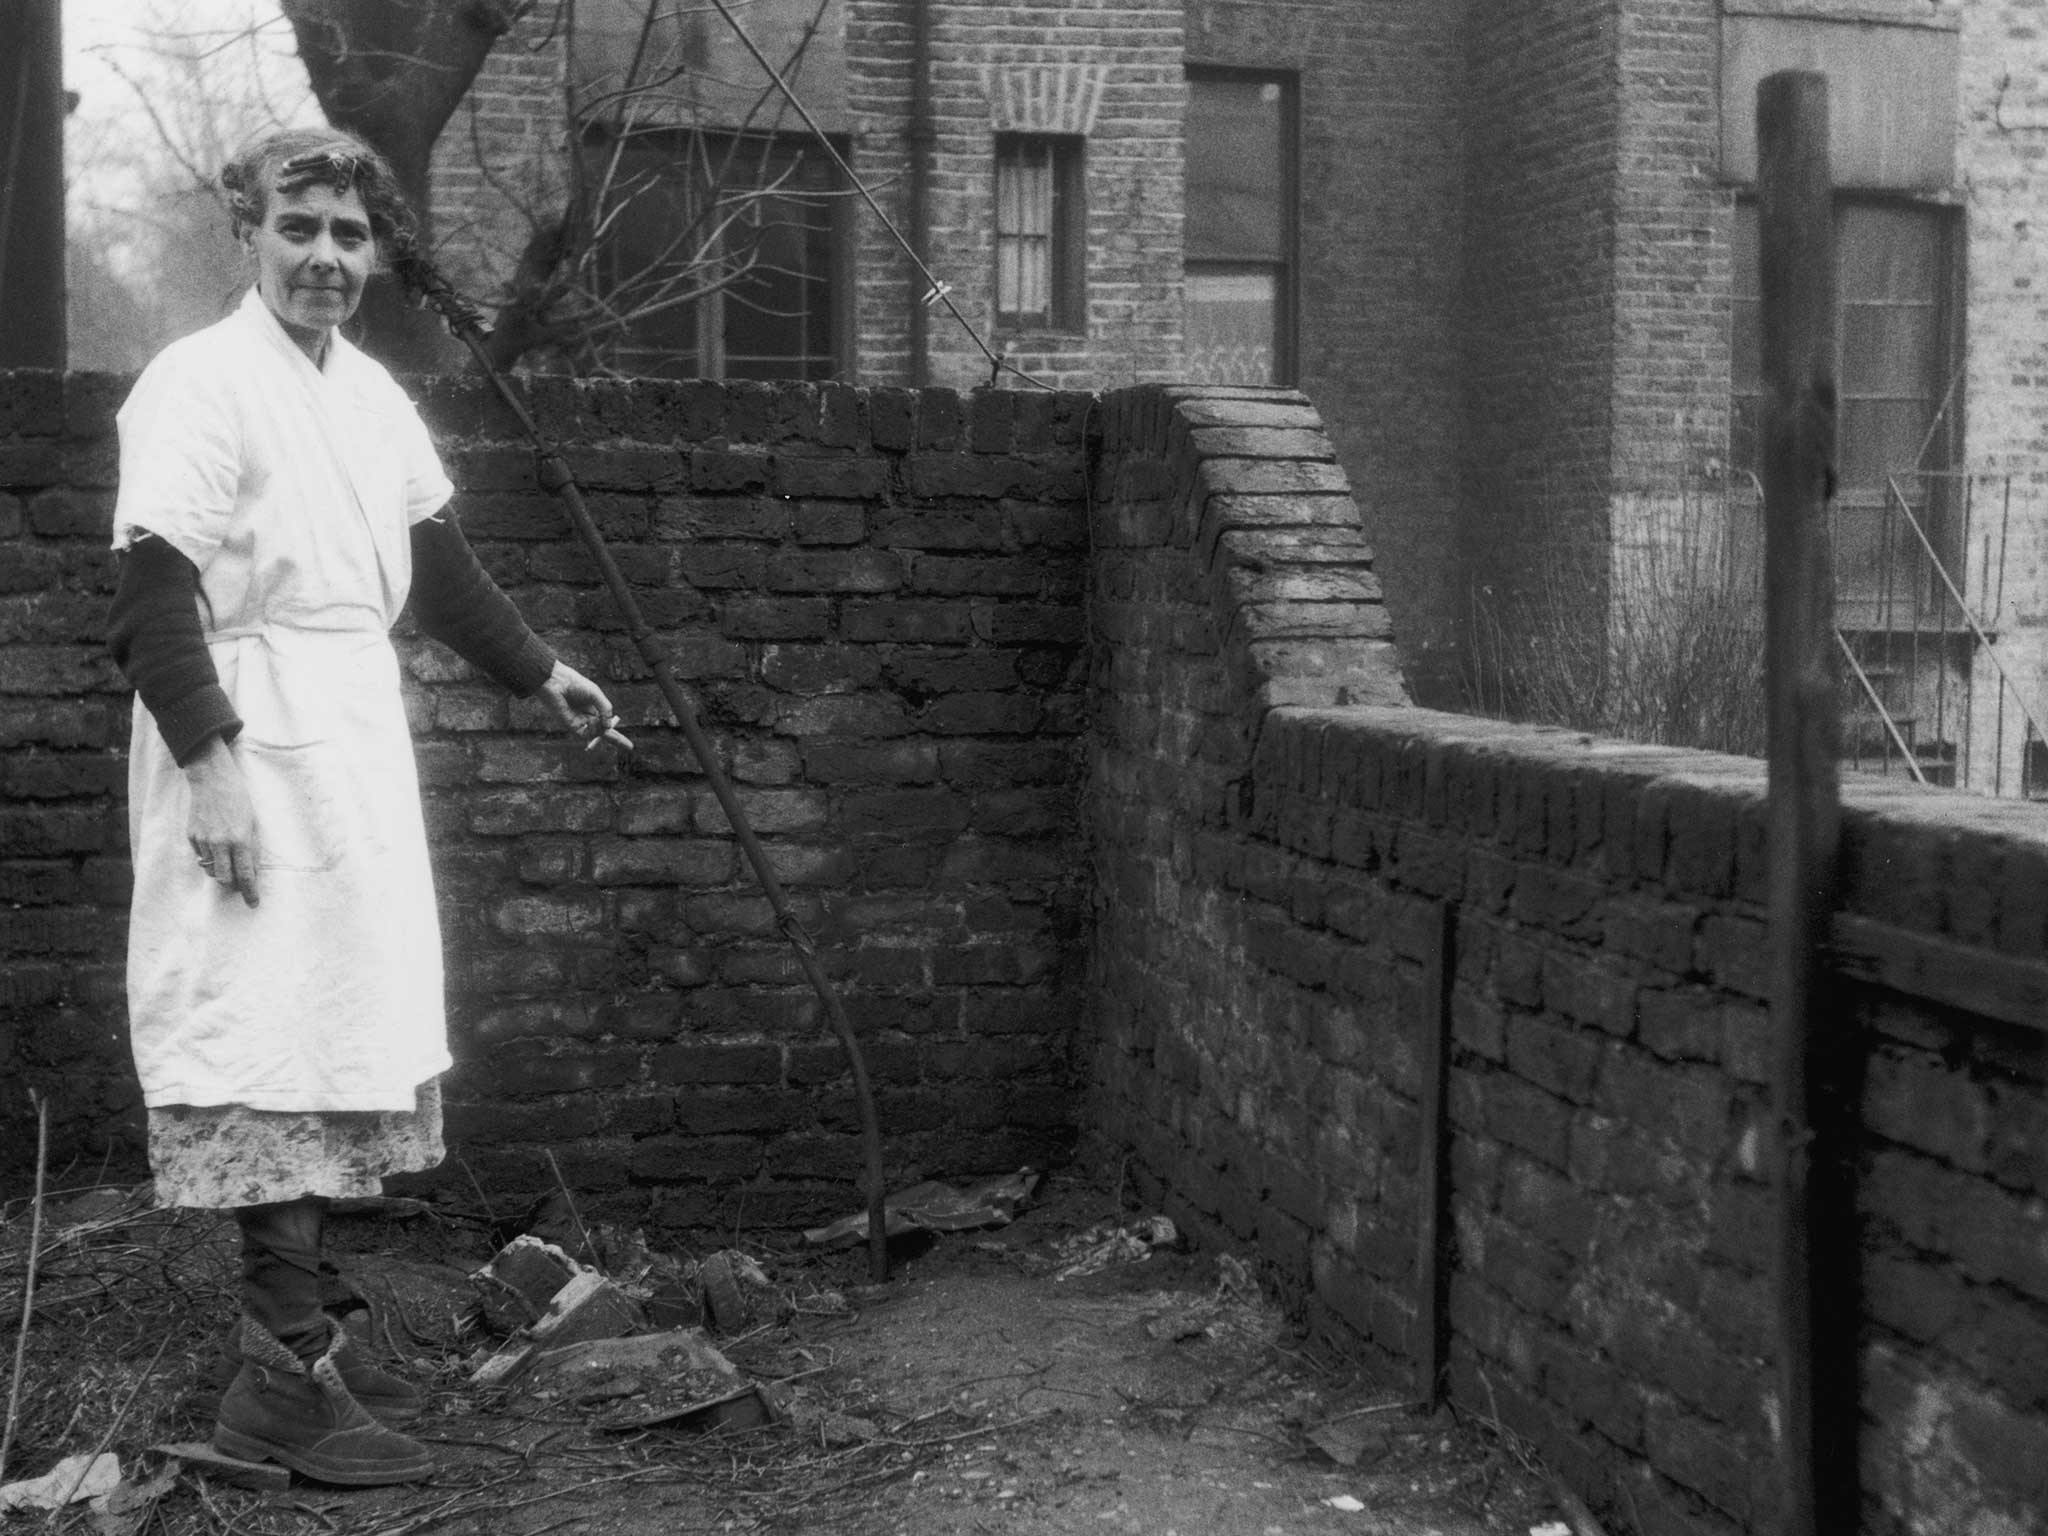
[1954, 618]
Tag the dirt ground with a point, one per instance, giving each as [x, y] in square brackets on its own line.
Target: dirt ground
[976, 1391]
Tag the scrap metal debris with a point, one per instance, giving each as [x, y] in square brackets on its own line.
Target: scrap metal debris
[935, 1207]
[677, 1377]
[1109, 1243]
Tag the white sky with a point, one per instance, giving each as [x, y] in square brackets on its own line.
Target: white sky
[163, 80]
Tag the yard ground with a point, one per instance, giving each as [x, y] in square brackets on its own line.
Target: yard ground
[976, 1391]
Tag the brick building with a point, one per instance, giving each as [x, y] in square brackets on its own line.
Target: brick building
[1508, 246]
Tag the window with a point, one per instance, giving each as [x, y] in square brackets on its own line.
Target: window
[724, 259]
[1039, 230]
[1895, 375]
[1240, 234]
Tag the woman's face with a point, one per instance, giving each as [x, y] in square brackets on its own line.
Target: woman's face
[314, 252]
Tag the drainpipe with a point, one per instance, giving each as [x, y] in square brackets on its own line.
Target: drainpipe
[921, 136]
[32, 111]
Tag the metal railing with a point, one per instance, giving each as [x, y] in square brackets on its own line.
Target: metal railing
[1913, 635]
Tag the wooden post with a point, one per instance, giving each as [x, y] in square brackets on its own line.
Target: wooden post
[1796, 226]
[1439, 965]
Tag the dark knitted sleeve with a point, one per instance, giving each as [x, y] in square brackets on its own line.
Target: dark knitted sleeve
[458, 604]
[154, 633]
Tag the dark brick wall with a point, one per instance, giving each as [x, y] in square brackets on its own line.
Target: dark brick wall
[1270, 874]
[63, 778]
[876, 597]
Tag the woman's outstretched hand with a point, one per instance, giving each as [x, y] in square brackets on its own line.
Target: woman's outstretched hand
[582, 707]
[221, 824]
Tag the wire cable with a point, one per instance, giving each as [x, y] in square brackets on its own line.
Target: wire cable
[934, 289]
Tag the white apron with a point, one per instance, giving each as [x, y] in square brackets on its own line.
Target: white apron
[292, 490]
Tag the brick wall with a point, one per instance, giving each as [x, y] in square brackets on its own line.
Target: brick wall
[876, 596]
[1542, 141]
[1273, 879]
[1381, 231]
[2003, 109]
[1672, 275]
[499, 170]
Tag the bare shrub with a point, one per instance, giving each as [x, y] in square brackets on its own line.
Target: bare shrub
[1680, 658]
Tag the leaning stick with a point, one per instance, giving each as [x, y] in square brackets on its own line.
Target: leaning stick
[28, 1284]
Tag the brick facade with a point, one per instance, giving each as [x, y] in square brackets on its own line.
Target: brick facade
[501, 160]
[1542, 123]
[1514, 261]
[2003, 105]
[1124, 57]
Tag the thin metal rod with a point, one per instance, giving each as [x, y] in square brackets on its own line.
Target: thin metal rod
[1969, 618]
[1884, 715]
[553, 472]
[936, 289]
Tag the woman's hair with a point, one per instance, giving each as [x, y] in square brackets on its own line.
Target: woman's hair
[293, 158]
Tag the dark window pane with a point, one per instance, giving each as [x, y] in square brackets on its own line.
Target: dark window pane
[1890, 349]
[1886, 252]
[1744, 256]
[1880, 438]
[690, 213]
[1235, 170]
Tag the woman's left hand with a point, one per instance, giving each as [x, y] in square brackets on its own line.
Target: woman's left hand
[582, 707]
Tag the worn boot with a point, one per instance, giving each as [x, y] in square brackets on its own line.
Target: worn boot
[390, 1399]
[300, 1414]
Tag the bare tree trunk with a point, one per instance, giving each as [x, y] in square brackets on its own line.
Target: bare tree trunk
[394, 72]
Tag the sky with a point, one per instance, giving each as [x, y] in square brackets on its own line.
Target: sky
[166, 90]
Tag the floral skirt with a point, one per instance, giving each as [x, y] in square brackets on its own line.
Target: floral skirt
[224, 1155]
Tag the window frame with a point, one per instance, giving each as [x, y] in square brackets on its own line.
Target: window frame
[708, 314]
[1287, 285]
[1949, 292]
[1066, 236]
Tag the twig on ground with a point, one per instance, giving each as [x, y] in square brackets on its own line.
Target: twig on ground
[589, 1247]
[28, 1284]
[968, 1434]
[975, 1381]
[107, 1439]
[469, 1173]
[1359, 1413]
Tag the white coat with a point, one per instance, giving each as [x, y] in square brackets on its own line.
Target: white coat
[292, 488]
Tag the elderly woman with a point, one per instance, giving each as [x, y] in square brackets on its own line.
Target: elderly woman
[279, 499]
